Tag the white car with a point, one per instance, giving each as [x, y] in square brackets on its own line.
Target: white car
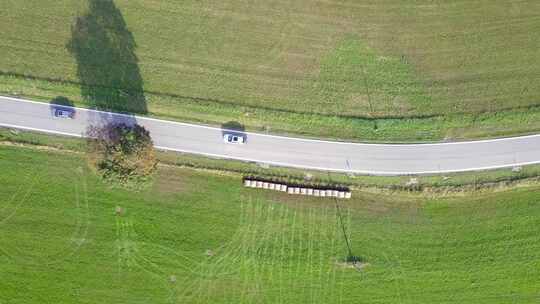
[233, 138]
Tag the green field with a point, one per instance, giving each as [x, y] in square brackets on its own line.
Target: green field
[196, 237]
[387, 70]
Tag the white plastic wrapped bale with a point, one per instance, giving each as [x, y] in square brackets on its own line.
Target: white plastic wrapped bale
[316, 192]
[309, 191]
[253, 184]
[290, 190]
[329, 193]
[265, 185]
[303, 191]
[335, 193]
[259, 184]
[283, 188]
[348, 194]
[322, 193]
[271, 186]
[247, 183]
[341, 194]
[296, 190]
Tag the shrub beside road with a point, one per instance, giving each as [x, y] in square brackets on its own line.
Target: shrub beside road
[122, 154]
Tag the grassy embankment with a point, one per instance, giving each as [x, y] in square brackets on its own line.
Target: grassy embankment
[392, 71]
[197, 237]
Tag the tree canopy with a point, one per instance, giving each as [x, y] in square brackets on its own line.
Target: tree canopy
[122, 153]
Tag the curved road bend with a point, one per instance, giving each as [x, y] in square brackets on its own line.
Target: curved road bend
[379, 159]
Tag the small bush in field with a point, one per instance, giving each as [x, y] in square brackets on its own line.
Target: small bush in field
[122, 153]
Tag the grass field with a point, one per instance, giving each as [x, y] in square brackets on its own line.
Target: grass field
[201, 238]
[386, 71]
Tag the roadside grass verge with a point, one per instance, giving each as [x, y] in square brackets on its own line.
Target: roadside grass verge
[197, 237]
[462, 183]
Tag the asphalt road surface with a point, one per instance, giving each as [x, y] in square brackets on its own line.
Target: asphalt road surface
[379, 159]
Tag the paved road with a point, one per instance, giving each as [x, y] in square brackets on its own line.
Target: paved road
[379, 159]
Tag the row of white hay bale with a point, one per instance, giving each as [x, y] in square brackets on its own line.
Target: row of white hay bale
[296, 190]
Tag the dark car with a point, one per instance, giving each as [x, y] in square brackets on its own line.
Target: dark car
[64, 113]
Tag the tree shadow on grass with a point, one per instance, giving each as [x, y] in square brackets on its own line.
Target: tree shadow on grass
[107, 65]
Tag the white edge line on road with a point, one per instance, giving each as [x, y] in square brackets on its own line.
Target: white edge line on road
[285, 137]
[283, 164]
[39, 130]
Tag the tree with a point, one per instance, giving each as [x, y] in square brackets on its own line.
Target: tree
[122, 153]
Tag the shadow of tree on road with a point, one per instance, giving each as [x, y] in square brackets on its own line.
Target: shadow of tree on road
[107, 65]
